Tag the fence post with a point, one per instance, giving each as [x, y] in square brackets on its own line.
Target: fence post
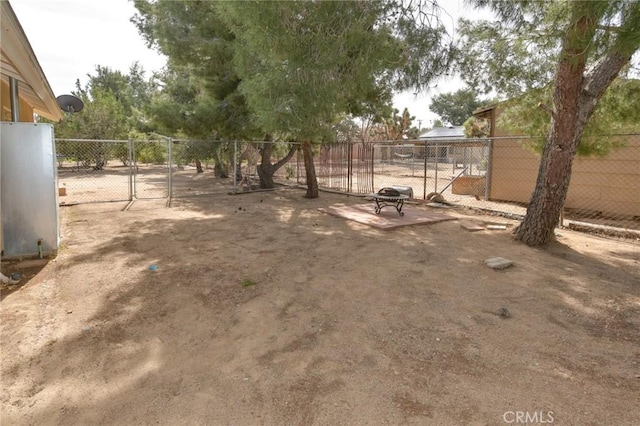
[130, 161]
[170, 164]
[373, 171]
[454, 163]
[235, 166]
[135, 168]
[298, 153]
[349, 166]
[424, 185]
[487, 171]
[436, 177]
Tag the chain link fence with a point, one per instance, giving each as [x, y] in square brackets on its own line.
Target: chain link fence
[453, 168]
[151, 168]
[201, 167]
[604, 192]
[91, 171]
[497, 174]
[284, 161]
[209, 167]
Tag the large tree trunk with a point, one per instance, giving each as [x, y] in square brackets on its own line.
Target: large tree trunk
[199, 168]
[554, 173]
[266, 170]
[312, 181]
[220, 169]
[576, 94]
[543, 212]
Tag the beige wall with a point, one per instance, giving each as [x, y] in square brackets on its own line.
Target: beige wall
[609, 185]
[26, 110]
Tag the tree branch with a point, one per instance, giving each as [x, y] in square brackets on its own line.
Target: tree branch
[287, 157]
[600, 76]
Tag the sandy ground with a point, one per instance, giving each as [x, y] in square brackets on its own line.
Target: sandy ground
[265, 311]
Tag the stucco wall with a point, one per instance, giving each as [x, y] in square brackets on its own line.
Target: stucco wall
[609, 185]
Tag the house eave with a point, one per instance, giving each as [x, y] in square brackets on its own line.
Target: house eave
[18, 61]
[484, 112]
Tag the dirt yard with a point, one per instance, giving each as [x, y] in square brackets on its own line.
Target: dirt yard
[265, 311]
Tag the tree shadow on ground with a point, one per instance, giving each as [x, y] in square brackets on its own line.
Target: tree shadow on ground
[189, 342]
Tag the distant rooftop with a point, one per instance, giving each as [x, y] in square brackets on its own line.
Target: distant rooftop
[451, 132]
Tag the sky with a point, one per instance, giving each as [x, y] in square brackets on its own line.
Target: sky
[71, 37]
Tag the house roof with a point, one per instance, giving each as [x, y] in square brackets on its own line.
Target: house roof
[485, 111]
[451, 132]
[17, 60]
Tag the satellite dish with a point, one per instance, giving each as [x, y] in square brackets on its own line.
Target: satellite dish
[70, 103]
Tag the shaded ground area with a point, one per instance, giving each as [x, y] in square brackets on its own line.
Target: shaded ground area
[265, 310]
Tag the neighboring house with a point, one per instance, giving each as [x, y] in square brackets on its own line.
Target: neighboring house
[443, 153]
[450, 132]
[604, 185]
[25, 92]
[457, 149]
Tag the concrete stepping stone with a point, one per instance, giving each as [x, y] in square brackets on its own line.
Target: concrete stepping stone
[498, 263]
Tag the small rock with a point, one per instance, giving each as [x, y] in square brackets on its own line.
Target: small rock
[504, 313]
[498, 263]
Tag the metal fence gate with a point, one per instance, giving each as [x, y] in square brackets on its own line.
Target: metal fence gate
[151, 169]
[91, 171]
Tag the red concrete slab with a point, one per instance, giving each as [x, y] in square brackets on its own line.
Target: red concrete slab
[388, 217]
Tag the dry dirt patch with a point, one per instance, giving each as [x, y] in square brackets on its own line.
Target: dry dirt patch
[264, 310]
